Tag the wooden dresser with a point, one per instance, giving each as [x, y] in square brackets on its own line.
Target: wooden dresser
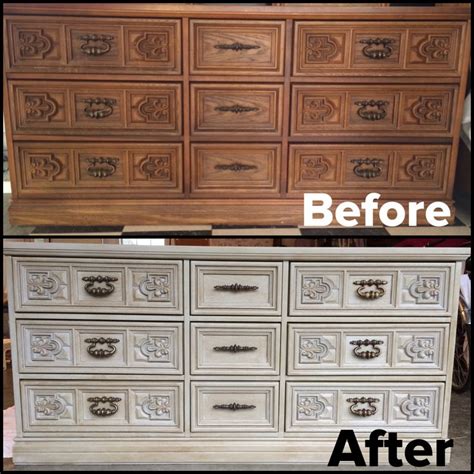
[198, 354]
[185, 114]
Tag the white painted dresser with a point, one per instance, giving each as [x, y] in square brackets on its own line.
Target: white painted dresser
[195, 354]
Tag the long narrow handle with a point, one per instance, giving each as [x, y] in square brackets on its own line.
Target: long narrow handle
[236, 288]
[235, 348]
[234, 406]
[236, 46]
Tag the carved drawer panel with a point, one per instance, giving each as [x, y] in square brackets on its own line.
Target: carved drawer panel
[51, 169]
[365, 349]
[90, 108]
[237, 47]
[236, 288]
[100, 347]
[235, 349]
[78, 285]
[423, 289]
[375, 110]
[99, 407]
[241, 407]
[391, 167]
[94, 45]
[372, 48]
[364, 406]
[234, 168]
[236, 108]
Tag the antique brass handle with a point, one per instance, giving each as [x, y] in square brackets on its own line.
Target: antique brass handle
[235, 167]
[99, 290]
[234, 406]
[101, 167]
[372, 410]
[370, 294]
[235, 287]
[372, 110]
[366, 354]
[102, 411]
[99, 107]
[235, 348]
[236, 108]
[236, 46]
[101, 353]
[367, 168]
[372, 49]
[96, 45]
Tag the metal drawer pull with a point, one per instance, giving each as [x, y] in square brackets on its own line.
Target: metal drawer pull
[101, 353]
[99, 107]
[367, 168]
[234, 407]
[236, 46]
[370, 294]
[372, 410]
[366, 354]
[235, 167]
[235, 348]
[372, 50]
[95, 410]
[366, 110]
[236, 109]
[103, 47]
[236, 287]
[101, 167]
[99, 290]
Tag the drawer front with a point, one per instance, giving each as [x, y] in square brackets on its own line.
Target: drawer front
[98, 407]
[372, 110]
[235, 169]
[360, 167]
[237, 47]
[328, 407]
[92, 347]
[236, 108]
[94, 45]
[67, 169]
[419, 289]
[234, 407]
[230, 288]
[370, 47]
[95, 107]
[228, 349]
[364, 349]
[76, 285]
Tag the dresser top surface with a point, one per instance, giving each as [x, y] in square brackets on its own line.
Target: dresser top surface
[363, 254]
[250, 11]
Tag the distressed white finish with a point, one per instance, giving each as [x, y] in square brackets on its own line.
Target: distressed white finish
[168, 377]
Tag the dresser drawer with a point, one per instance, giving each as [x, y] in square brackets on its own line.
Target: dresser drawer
[230, 169]
[88, 45]
[235, 349]
[69, 169]
[65, 407]
[328, 407]
[423, 289]
[357, 168]
[78, 285]
[373, 110]
[234, 407]
[236, 108]
[100, 347]
[377, 48]
[367, 349]
[91, 108]
[237, 47]
[236, 288]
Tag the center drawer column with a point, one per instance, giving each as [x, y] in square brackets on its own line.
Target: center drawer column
[235, 331]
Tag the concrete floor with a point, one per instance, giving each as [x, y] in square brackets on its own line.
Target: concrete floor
[459, 431]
